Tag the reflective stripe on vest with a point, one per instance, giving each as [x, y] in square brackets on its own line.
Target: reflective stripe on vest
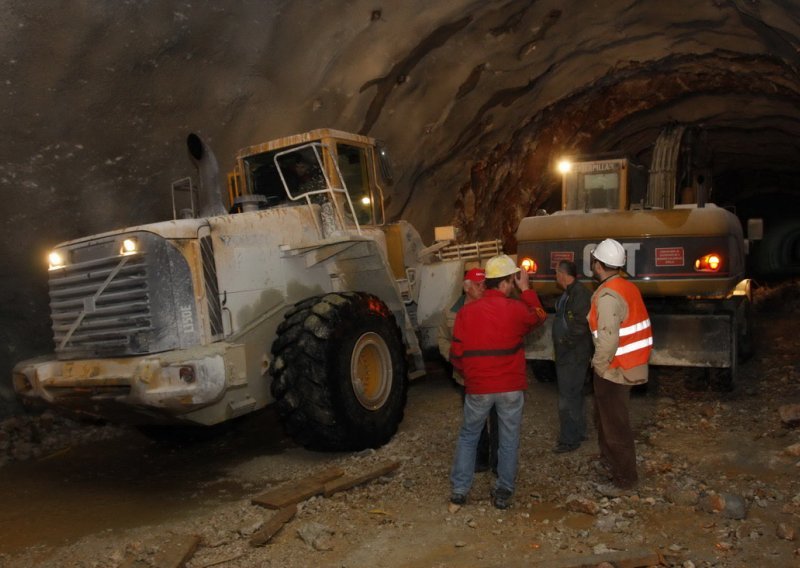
[631, 329]
[641, 344]
[642, 325]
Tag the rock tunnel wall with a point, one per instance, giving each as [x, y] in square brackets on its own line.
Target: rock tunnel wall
[473, 98]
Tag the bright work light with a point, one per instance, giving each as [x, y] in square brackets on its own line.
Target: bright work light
[56, 260]
[129, 246]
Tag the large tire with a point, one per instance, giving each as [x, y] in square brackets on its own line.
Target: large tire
[745, 331]
[339, 374]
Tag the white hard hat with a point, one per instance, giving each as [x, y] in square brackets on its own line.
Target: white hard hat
[610, 253]
[501, 266]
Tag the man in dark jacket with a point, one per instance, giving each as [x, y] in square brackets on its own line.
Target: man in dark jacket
[572, 342]
[488, 350]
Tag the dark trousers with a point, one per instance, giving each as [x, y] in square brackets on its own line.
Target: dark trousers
[614, 433]
[486, 457]
[487, 444]
[571, 375]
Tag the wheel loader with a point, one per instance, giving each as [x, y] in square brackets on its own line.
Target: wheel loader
[686, 255]
[289, 286]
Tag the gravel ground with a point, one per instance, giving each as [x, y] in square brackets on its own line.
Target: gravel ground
[719, 483]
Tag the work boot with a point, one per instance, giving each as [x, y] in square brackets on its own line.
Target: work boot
[501, 497]
[562, 448]
[458, 499]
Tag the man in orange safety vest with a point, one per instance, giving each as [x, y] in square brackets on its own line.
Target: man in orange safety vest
[623, 340]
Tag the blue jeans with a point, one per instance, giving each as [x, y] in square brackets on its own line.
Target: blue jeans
[509, 417]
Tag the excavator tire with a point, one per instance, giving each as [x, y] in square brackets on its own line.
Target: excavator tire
[339, 372]
[722, 379]
[745, 330]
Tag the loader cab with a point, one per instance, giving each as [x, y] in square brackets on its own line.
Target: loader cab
[323, 165]
[614, 184]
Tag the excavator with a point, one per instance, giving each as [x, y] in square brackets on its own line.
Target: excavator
[685, 254]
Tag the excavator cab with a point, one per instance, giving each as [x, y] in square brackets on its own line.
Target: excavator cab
[601, 185]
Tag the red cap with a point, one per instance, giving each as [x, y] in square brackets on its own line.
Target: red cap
[475, 275]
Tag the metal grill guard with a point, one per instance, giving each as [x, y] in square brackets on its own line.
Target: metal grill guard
[104, 304]
[99, 304]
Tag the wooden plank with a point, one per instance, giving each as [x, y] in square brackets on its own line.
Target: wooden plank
[622, 559]
[297, 491]
[263, 535]
[343, 483]
[173, 551]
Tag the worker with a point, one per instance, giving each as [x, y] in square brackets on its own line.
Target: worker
[623, 340]
[572, 344]
[488, 350]
[473, 287]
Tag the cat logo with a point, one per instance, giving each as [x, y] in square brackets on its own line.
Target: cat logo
[630, 255]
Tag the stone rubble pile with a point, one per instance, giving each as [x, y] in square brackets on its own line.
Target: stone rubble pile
[37, 436]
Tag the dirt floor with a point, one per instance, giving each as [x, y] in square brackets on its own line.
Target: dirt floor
[719, 485]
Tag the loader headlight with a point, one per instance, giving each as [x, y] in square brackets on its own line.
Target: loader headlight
[528, 265]
[129, 246]
[708, 263]
[56, 260]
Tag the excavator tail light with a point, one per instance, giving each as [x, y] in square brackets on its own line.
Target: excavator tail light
[708, 263]
[528, 265]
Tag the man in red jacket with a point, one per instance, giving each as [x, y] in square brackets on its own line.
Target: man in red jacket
[489, 352]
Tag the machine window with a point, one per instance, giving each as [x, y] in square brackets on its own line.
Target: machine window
[602, 190]
[300, 169]
[352, 162]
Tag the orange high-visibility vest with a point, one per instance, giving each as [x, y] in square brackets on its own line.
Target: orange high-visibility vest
[635, 333]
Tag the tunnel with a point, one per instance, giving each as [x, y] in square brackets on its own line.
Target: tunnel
[475, 100]
[289, 421]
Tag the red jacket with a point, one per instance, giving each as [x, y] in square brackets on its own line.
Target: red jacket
[488, 341]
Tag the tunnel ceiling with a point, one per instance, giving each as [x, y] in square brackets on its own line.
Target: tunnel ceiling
[475, 100]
